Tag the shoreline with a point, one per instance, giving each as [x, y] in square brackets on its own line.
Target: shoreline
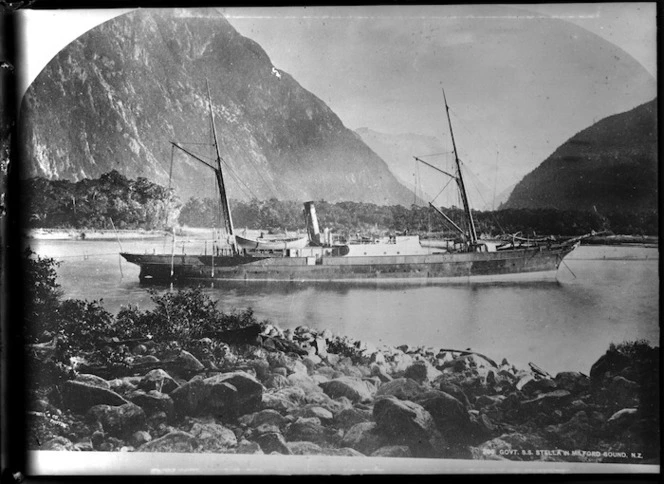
[308, 392]
[92, 234]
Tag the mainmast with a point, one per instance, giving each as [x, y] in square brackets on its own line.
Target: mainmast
[459, 178]
[225, 207]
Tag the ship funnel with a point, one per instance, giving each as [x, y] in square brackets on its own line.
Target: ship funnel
[312, 223]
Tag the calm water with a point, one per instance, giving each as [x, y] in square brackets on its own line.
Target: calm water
[603, 295]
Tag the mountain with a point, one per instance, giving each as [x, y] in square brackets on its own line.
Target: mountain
[398, 152]
[612, 166]
[116, 97]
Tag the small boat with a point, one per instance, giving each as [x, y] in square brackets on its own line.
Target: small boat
[319, 257]
[271, 244]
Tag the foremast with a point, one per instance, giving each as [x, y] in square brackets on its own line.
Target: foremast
[225, 207]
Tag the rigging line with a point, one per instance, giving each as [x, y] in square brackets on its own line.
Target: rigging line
[474, 178]
[441, 191]
[438, 154]
[238, 179]
[495, 182]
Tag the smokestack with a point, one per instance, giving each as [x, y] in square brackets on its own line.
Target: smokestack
[312, 223]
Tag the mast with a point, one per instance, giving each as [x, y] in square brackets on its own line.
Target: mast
[225, 207]
[462, 188]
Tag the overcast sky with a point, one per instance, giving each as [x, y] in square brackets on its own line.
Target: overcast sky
[518, 83]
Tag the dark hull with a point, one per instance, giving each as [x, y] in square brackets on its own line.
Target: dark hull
[541, 262]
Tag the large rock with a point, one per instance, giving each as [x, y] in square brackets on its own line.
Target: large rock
[119, 421]
[449, 414]
[93, 380]
[176, 441]
[621, 393]
[190, 398]
[348, 417]
[79, 396]
[58, 443]
[354, 389]
[273, 442]
[408, 423]
[152, 402]
[305, 448]
[267, 416]
[393, 451]
[246, 398]
[158, 380]
[611, 362]
[305, 382]
[572, 381]
[422, 371]
[229, 394]
[364, 438]
[213, 437]
[574, 434]
[402, 388]
[311, 430]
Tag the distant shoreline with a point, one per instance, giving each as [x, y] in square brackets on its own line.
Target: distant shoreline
[92, 234]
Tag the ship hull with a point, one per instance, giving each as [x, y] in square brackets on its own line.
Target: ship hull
[532, 263]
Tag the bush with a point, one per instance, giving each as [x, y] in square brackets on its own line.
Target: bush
[42, 296]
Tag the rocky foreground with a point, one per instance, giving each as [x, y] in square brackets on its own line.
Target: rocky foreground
[305, 392]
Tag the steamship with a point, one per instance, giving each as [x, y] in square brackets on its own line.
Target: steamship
[323, 258]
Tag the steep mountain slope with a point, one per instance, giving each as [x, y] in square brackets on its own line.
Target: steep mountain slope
[612, 165]
[115, 97]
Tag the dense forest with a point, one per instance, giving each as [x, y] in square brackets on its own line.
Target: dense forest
[366, 218]
[112, 200]
[109, 201]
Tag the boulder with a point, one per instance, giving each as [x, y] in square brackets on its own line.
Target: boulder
[93, 380]
[402, 388]
[230, 394]
[190, 398]
[393, 451]
[611, 362]
[305, 382]
[187, 364]
[247, 447]
[153, 402]
[273, 442]
[346, 418]
[158, 380]
[275, 380]
[267, 416]
[58, 443]
[245, 395]
[119, 421]
[123, 385]
[449, 414]
[407, 423]
[364, 438]
[621, 393]
[574, 434]
[280, 401]
[354, 389]
[572, 381]
[421, 371]
[139, 438]
[304, 448]
[79, 396]
[399, 362]
[311, 430]
[323, 414]
[212, 436]
[175, 441]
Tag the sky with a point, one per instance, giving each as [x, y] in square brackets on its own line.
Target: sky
[518, 83]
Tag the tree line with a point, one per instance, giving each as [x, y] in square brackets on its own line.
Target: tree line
[112, 200]
[368, 218]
